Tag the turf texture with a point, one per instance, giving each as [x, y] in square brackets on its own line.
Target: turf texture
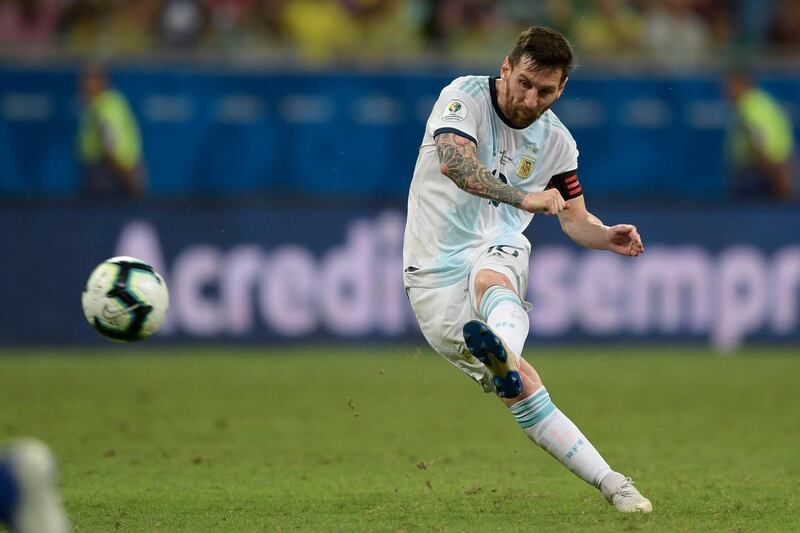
[395, 439]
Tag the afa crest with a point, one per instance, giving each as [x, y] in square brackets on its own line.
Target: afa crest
[525, 167]
[527, 161]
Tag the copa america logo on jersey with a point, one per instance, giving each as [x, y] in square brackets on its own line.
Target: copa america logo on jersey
[454, 111]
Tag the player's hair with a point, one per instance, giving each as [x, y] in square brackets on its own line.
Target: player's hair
[545, 47]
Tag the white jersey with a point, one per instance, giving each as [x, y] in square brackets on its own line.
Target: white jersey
[446, 225]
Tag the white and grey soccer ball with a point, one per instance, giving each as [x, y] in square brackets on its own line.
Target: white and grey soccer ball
[125, 299]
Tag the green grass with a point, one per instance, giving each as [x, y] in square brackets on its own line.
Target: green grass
[395, 439]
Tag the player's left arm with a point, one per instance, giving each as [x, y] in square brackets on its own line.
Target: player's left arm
[589, 231]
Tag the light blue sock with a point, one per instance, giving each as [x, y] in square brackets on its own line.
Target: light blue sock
[548, 427]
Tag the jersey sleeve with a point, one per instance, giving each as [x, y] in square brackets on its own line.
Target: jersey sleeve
[455, 112]
[565, 179]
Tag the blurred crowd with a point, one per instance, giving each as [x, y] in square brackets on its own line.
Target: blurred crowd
[665, 32]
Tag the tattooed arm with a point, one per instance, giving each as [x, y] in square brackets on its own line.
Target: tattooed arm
[459, 161]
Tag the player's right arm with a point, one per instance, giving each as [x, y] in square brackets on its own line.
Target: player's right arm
[458, 160]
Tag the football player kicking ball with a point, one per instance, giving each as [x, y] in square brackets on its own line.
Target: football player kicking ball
[492, 155]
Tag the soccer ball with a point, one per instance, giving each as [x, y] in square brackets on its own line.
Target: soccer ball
[125, 299]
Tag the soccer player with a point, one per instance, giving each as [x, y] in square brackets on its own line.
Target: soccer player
[29, 502]
[492, 155]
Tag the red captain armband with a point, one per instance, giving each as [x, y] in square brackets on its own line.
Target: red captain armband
[567, 184]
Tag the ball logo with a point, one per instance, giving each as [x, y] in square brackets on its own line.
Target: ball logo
[455, 111]
[112, 313]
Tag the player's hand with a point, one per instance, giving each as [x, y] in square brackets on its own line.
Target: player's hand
[548, 202]
[624, 239]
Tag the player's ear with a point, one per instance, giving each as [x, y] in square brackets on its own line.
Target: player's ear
[562, 86]
[505, 68]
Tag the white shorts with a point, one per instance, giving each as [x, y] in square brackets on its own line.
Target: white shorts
[443, 311]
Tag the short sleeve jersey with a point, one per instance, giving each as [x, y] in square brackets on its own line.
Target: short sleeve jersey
[446, 226]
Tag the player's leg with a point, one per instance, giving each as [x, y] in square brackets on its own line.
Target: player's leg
[441, 313]
[503, 311]
[551, 429]
[29, 502]
[498, 338]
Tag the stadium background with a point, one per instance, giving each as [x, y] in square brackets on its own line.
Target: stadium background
[279, 138]
[277, 149]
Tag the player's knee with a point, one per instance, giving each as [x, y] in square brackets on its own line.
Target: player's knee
[487, 278]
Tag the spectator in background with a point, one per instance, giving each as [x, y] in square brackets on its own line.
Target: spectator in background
[246, 30]
[752, 19]
[552, 13]
[319, 30]
[387, 29]
[109, 29]
[469, 30]
[183, 23]
[443, 17]
[608, 29]
[29, 24]
[82, 25]
[228, 21]
[784, 31]
[129, 31]
[109, 140]
[719, 18]
[760, 142]
[487, 34]
[675, 35]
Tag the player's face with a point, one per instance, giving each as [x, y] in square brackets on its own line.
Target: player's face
[528, 92]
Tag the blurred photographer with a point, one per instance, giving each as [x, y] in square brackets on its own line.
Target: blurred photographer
[760, 143]
[109, 142]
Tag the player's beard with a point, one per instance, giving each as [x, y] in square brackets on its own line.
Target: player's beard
[521, 119]
[520, 116]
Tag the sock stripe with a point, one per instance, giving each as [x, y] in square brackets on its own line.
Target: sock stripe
[534, 398]
[494, 296]
[534, 403]
[533, 409]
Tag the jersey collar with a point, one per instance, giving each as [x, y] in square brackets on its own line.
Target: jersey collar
[496, 106]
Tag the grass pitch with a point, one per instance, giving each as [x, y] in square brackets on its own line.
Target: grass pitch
[233, 440]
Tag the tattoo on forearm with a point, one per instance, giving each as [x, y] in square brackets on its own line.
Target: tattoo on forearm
[459, 162]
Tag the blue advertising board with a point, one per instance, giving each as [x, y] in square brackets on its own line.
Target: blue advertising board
[228, 133]
[247, 274]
